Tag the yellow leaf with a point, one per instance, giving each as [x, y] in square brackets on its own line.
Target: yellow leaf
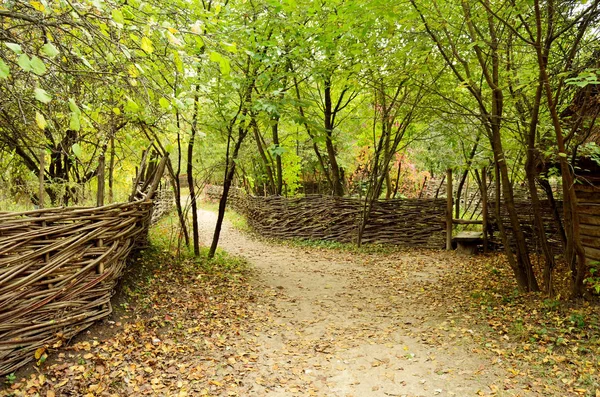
[133, 71]
[37, 5]
[50, 393]
[39, 352]
[41, 123]
[147, 45]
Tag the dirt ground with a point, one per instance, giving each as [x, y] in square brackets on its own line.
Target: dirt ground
[337, 325]
[305, 321]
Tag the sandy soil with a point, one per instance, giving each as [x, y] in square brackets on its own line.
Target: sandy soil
[336, 328]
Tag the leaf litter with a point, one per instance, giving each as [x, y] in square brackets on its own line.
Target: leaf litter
[308, 321]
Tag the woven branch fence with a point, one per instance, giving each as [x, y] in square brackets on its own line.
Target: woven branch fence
[59, 268]
[403, 222]
[527, 222]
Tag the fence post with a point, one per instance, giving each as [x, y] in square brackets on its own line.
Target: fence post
[41, 178]
[485, 208]
[449, 209]
[100, 193]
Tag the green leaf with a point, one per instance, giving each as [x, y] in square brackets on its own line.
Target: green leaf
[37, 66]
[147, 45]
[225, 66]
[49, 50]
[230, 47]
[40, 121]
[76, 149]
[41, 95]
[215, 57]
[116, 111]
[16, 48]
[178, 62]
[73, 106]
[199, 42]
[75, 122]
[117, 16]
[131, 106]
[4, 70]
[24, 62]
[164, 103]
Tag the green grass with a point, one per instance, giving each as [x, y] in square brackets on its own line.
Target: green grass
[166, 235]
[165, 238]
[8, 205]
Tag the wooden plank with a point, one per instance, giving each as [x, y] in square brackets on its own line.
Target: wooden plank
[590, 231]
[589, 220]
[583, 196]
[469, 236]
[592, 254]
[586, 188]
[590, 209]
[592, 242]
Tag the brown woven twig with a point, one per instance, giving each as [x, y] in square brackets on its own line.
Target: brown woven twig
[58, 269]
[403, 222]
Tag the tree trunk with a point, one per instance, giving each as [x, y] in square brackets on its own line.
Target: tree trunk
[465, 173]
[574, 254]
[190, 175]
[111, 169]
[278, 169]
[337, 186]
[263, 156]
[226, 187]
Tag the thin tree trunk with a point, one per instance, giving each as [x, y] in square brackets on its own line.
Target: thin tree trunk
[337, 186]
[397, 180]
[278, 169]
[190, 174]
[177, 184]
[111, 169]
[226, 187]
[465, 173]
[263, 156]
[574, 254]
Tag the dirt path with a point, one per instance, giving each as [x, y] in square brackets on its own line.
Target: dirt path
[335, 327]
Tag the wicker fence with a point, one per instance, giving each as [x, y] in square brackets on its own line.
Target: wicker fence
[527, 222]
[403, 222]
[58, 269]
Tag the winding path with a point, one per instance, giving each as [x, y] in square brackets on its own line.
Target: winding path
[336, 329]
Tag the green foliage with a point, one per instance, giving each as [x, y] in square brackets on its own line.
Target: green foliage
[593, 281]
[10, 378]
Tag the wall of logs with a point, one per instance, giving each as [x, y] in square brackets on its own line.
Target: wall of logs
[588, 197]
